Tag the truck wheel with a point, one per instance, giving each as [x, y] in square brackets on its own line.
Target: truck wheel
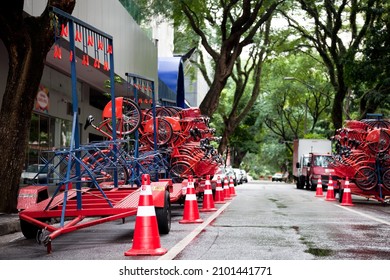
[163, 215]
[312, 187]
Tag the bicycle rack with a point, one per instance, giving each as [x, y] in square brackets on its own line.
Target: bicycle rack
[138, 82]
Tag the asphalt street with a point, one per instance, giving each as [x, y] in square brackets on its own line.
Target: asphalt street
[265, 221]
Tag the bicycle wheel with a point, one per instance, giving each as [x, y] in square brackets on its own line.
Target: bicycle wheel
[366, 178]
[160, 112]
[179, 171]
[164, 132]
[102, 167]
[378, 141]
[386, 179]
[130, 119]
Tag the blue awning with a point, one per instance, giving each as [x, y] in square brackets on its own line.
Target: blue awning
[171, 72]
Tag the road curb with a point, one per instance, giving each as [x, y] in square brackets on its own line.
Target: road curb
[9, 223]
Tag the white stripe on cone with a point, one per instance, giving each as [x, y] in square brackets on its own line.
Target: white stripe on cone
[208, 191]
[191, 197]
[146, 211]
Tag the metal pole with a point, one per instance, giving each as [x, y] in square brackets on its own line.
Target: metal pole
[113, 108]
[75, 107]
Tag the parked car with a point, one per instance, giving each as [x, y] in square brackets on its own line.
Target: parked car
[231, 174]
[221, 173]
[225, 171]
[244, 176]
[238, 174]
[279, 177]
[35, 174]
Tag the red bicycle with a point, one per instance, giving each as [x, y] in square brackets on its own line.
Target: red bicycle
[127, 114]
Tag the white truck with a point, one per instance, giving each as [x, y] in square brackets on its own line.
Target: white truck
[310, 162]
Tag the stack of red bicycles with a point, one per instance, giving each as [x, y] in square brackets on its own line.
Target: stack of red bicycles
[363, 156]
[184, 135]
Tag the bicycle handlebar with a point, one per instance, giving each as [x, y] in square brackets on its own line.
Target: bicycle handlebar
[88, 121]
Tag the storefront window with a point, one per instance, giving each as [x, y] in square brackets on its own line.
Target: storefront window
[47, 134]
[65, 130]
[41, 137]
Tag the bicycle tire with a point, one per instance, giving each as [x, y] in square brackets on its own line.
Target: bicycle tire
[130, 120]
[179, 171]
[366, 178]
[100, 165]
[386, 179]
[382, 144]
[160, 112]
[164, 133]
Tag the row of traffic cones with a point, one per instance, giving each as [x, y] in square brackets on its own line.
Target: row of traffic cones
[146, 240]
[347, 197]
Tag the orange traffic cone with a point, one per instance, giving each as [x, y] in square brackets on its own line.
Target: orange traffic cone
[226, 189]
[232, 188]
[208, 200]
[319, 192]
[347, 197]
[330, 191]
[219, 197]
[146, 240]
[191, 211]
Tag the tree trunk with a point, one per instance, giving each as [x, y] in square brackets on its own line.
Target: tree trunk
[224, 142]
[338, 102]
[230, 126]
[15, 118]
[27, 40]
[210, 103]
[337, 109]
[238, 157]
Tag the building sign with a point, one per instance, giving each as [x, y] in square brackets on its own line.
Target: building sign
[42, 100]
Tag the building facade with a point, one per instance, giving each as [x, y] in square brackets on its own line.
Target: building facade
[52, 118]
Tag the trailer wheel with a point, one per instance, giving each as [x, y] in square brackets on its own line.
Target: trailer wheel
[29, 230]
[163, 215]
[341, 192]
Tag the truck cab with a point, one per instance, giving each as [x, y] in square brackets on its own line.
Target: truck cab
[318, 168]
[310, 161]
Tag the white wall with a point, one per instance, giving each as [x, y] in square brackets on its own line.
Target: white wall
[134, 52]
[163, 32]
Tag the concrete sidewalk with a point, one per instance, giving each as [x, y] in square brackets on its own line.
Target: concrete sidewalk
[9, 223]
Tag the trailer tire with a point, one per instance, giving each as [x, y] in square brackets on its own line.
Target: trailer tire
[163, 215]
[29, 230]
[341, 192]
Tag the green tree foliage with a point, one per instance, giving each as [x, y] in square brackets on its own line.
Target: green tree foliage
[335, 29]
[369, 74]
[294, 103]
[224, 28]
[246, 84]
[296, 98]
[242, 140]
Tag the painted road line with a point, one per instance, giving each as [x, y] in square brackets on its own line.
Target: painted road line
[174, 251]
[365, 215]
